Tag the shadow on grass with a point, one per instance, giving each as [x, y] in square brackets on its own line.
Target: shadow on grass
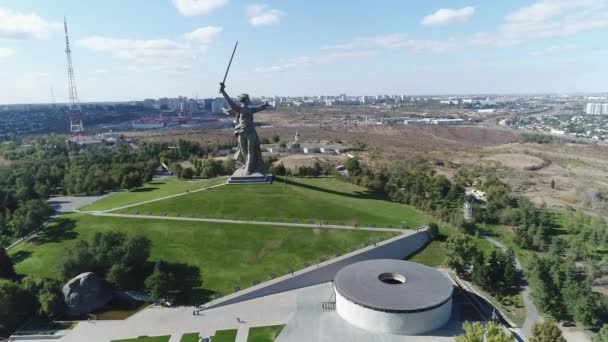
[157, 183]
[147, 189]
[61, 231]
[358, 194]
[187, 288]
[20, 256]
[440, 238]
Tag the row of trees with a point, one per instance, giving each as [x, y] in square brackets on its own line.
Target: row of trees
[546, 331]
[495, 272]
[22, 298]
[122, 261]
[205, 168]
[562, 291]
[49, 165]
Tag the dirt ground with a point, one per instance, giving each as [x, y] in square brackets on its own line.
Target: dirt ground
[517, 161]
[298, 160]
[529, 169]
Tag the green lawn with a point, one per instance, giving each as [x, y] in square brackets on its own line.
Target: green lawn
[224, 336]
[300, 199]
[226, 255]
[155, 189]
[192, 337]
[433, 254]
[264, 334]
[146, 339]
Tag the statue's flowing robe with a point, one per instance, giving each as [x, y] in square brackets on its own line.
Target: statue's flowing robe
[249, 151]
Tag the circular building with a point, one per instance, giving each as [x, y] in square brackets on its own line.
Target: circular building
[393, 296]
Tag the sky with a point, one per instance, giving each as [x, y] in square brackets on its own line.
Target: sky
[135, 49]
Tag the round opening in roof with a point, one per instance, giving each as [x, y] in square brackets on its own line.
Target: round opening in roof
[392, 278]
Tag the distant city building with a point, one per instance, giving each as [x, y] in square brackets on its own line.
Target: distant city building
[148, 124]
[447, 121]
[217, 105]
[594, 108]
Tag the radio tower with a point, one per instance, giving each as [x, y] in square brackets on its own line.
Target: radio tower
[75, 111]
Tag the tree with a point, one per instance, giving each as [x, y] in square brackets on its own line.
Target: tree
[546, 331]
[279, 169]
[353, 167]
[187, 173]
[16, 304]
[433, 230]
[460, 252]
[276, 138]
[602, 335]
[553, 184]
[120, 276]
[7, 269]
[132, 180]
[510, 277]
[476, 332]
[160, 282]
[496, 333]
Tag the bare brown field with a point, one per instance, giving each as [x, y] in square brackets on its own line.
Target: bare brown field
[576, 169]
[298, 160]
[517, 161]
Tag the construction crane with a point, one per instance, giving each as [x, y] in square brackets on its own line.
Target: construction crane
[74, 110]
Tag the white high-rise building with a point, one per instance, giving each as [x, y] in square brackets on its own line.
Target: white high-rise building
[594, 108]
[217, 105]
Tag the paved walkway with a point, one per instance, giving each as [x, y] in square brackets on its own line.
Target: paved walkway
[163, 198]
[532, 314]
[248, 222]
[242, 333]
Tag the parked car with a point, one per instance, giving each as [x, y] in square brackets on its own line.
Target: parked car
[567, 324]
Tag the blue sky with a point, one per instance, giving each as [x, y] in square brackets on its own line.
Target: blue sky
[135, 49]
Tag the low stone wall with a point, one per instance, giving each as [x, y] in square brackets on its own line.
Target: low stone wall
[398, 247]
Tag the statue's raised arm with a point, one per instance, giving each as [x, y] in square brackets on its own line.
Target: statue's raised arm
[260, 108]
[231, 103]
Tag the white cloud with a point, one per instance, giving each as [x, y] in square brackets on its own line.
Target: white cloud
[446, 16]
[152, 54]
[5, 53]
[554, 50]
[552, 18]
[545, 19]
[262, 15]
[198, 7]
[396, 40]
[14, 25]
[305, 61]
[203, 35]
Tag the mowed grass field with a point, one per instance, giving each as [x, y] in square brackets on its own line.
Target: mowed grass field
[264, 334]
[226, 255]
[156, 189]
[298, 199]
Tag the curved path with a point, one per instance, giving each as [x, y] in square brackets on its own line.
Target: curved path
[532, 314]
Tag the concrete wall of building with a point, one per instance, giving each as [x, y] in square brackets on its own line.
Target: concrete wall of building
[393, 323]
[396, 248]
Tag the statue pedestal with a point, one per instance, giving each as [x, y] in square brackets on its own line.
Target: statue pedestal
[239, 177]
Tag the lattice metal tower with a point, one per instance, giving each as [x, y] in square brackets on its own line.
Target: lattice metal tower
[75, 111]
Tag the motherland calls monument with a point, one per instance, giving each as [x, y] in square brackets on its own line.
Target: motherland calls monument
[249, 151]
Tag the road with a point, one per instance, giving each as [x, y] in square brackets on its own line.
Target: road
[532, 314]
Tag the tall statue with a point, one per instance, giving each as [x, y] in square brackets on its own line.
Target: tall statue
[249, 151]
